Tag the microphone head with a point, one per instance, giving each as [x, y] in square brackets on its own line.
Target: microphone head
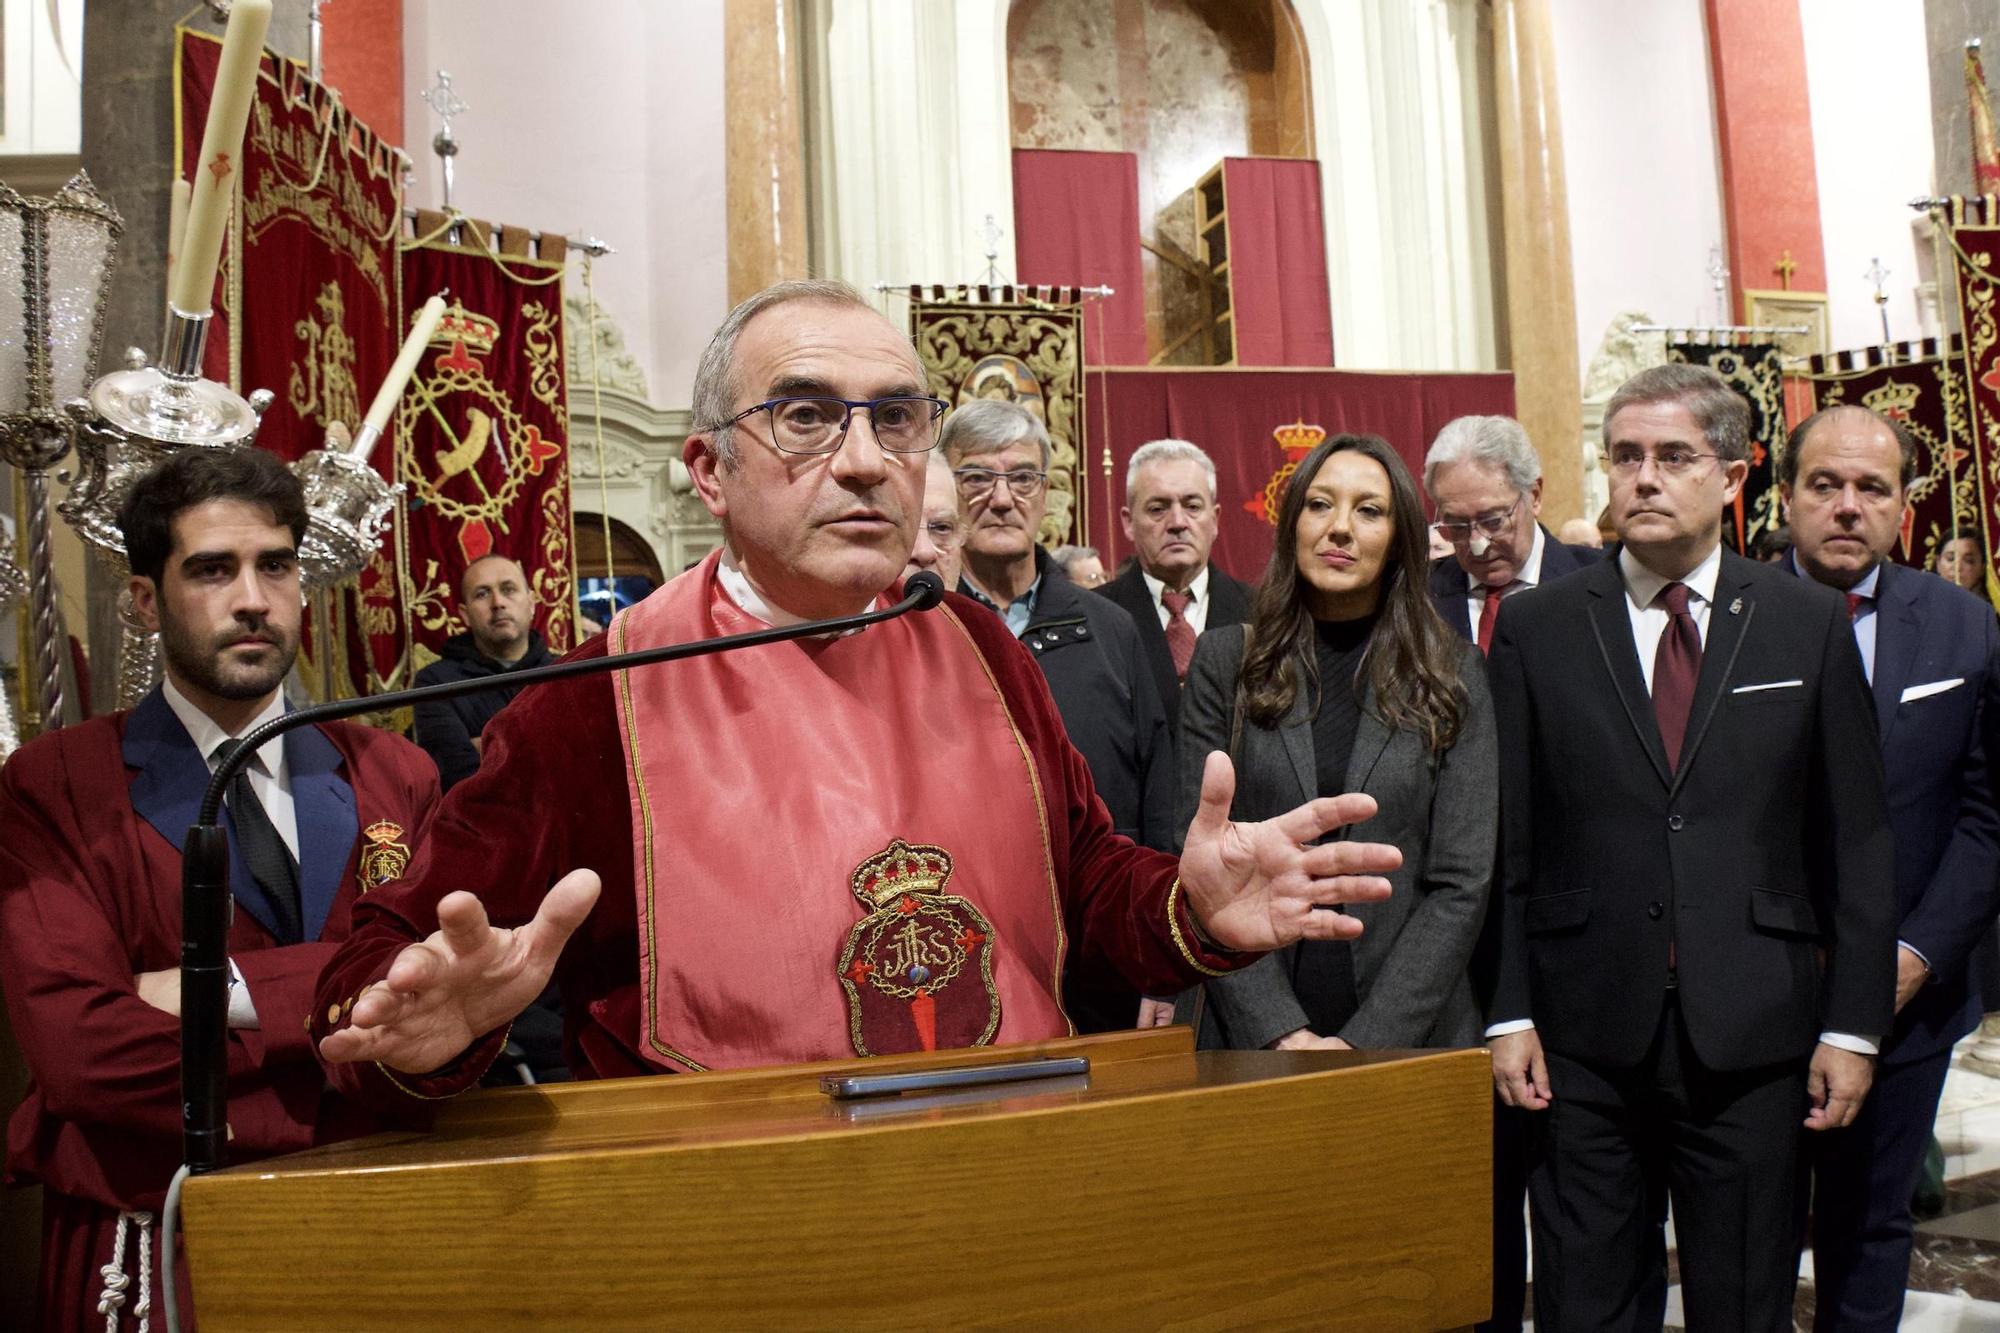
[926, 587]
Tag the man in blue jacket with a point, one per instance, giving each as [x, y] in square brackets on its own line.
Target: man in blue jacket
[1930, 652]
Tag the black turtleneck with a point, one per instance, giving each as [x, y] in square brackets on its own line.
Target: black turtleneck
[1323, 970]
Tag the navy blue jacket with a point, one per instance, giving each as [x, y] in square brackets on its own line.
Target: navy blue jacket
[1937, 702]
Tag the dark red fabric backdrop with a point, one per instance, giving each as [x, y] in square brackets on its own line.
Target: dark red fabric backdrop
[1277, 262]
[1076, 223]
[1236, 416]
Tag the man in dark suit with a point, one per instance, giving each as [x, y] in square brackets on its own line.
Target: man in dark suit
[1698, 941]
[1173, 591]
[1931, 651]
[1485, 481]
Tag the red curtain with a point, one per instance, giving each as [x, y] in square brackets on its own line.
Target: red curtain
[1277, 262]
[1076, 222]
[1241, 418]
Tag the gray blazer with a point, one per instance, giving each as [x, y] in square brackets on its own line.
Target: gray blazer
[1442, 810]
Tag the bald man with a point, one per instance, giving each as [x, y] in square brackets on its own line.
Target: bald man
[499, 612]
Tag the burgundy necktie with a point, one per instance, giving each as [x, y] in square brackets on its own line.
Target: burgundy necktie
[1676, 666]
[1488, 613]
[1855, 601]
[1180, 634]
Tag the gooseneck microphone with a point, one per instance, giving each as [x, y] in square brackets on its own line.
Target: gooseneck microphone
[205, 898]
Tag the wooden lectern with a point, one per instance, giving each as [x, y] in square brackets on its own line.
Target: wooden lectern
[1165, 1188]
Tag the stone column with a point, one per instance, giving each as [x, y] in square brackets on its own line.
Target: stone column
[128, 149]
[1540, 289]
[765, 178]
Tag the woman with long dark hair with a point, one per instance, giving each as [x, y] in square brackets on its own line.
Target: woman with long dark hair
[1346, 679]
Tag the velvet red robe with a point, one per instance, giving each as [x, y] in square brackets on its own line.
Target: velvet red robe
[551, 796]
[90, 896]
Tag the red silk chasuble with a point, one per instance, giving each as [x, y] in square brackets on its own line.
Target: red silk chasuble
[840, 845]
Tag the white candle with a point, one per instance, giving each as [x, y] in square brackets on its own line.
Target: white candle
[391, 391]
[177, 219]
[215, 171]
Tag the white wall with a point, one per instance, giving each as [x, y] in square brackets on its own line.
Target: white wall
[42, 111]
[607, 123]
[1868, 79]
[1639, 146]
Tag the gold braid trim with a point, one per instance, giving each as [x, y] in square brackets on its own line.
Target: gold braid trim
[409, 1091]
[1180, 940]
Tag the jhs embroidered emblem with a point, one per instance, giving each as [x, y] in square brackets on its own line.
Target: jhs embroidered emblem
[384, 858]
[918, 969]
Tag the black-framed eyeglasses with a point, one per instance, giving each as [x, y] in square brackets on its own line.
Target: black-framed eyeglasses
[976, 483]
[1673, 461]
[1491, 524]
[814, 425]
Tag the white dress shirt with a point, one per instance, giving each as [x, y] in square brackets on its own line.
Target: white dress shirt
[1196, 614]
[270, 781]
[1527, 576]
[1649, 623]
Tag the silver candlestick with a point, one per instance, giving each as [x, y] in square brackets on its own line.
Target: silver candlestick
[348, 504]
[13, 588]
[170, 403]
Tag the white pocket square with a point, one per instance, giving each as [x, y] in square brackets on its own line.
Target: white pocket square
[1916, 692]
[1766, 685]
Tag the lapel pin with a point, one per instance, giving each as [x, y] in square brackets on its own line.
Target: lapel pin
[1736, 607]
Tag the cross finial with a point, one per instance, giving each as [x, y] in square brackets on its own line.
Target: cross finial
[1718, 275]
[1784, 268]
[1878, 275]
[443, 102]
[992, 233]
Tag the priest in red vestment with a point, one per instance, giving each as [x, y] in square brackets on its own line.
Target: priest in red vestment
[859, 844]
[90, 886]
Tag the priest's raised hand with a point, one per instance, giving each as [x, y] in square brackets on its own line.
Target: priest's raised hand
[1261, 886]
[468, 978]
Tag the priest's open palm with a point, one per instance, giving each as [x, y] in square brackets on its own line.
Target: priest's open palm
[467, 979]
[1261, 886]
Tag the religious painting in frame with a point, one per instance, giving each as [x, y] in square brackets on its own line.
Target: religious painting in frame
[1785, 309]
[1024, 345]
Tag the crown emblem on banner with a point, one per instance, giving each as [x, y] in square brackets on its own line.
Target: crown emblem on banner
[1893, 400]
[476, 331]
[1299, 438]
[902, 870]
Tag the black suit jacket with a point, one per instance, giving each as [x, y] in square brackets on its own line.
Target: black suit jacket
[1228, 604]
[1937, 700]
[1451, 585]
[1769, 844]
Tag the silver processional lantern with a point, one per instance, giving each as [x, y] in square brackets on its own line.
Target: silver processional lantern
[55, 262]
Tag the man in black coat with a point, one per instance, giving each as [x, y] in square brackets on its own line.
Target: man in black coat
[499, 611]
[1088, 648]
[1173, 592]
[1485, 482]
[1933, 657]
[1698, 929]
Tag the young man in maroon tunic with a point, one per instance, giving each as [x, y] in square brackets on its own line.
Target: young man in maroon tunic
[90, 884]
[868, 843]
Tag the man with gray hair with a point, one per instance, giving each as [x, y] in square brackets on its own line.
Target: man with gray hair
[1088, 648]
[1485, 480]
[1173, 591]
[721, 858]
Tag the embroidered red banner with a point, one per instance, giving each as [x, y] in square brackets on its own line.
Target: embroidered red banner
[1974, 229]
[308, 305]
[482, 437]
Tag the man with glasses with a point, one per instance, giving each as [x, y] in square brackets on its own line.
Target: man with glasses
[1087, 647]
[1485, 480]
[863, 843]
[1697, 953]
